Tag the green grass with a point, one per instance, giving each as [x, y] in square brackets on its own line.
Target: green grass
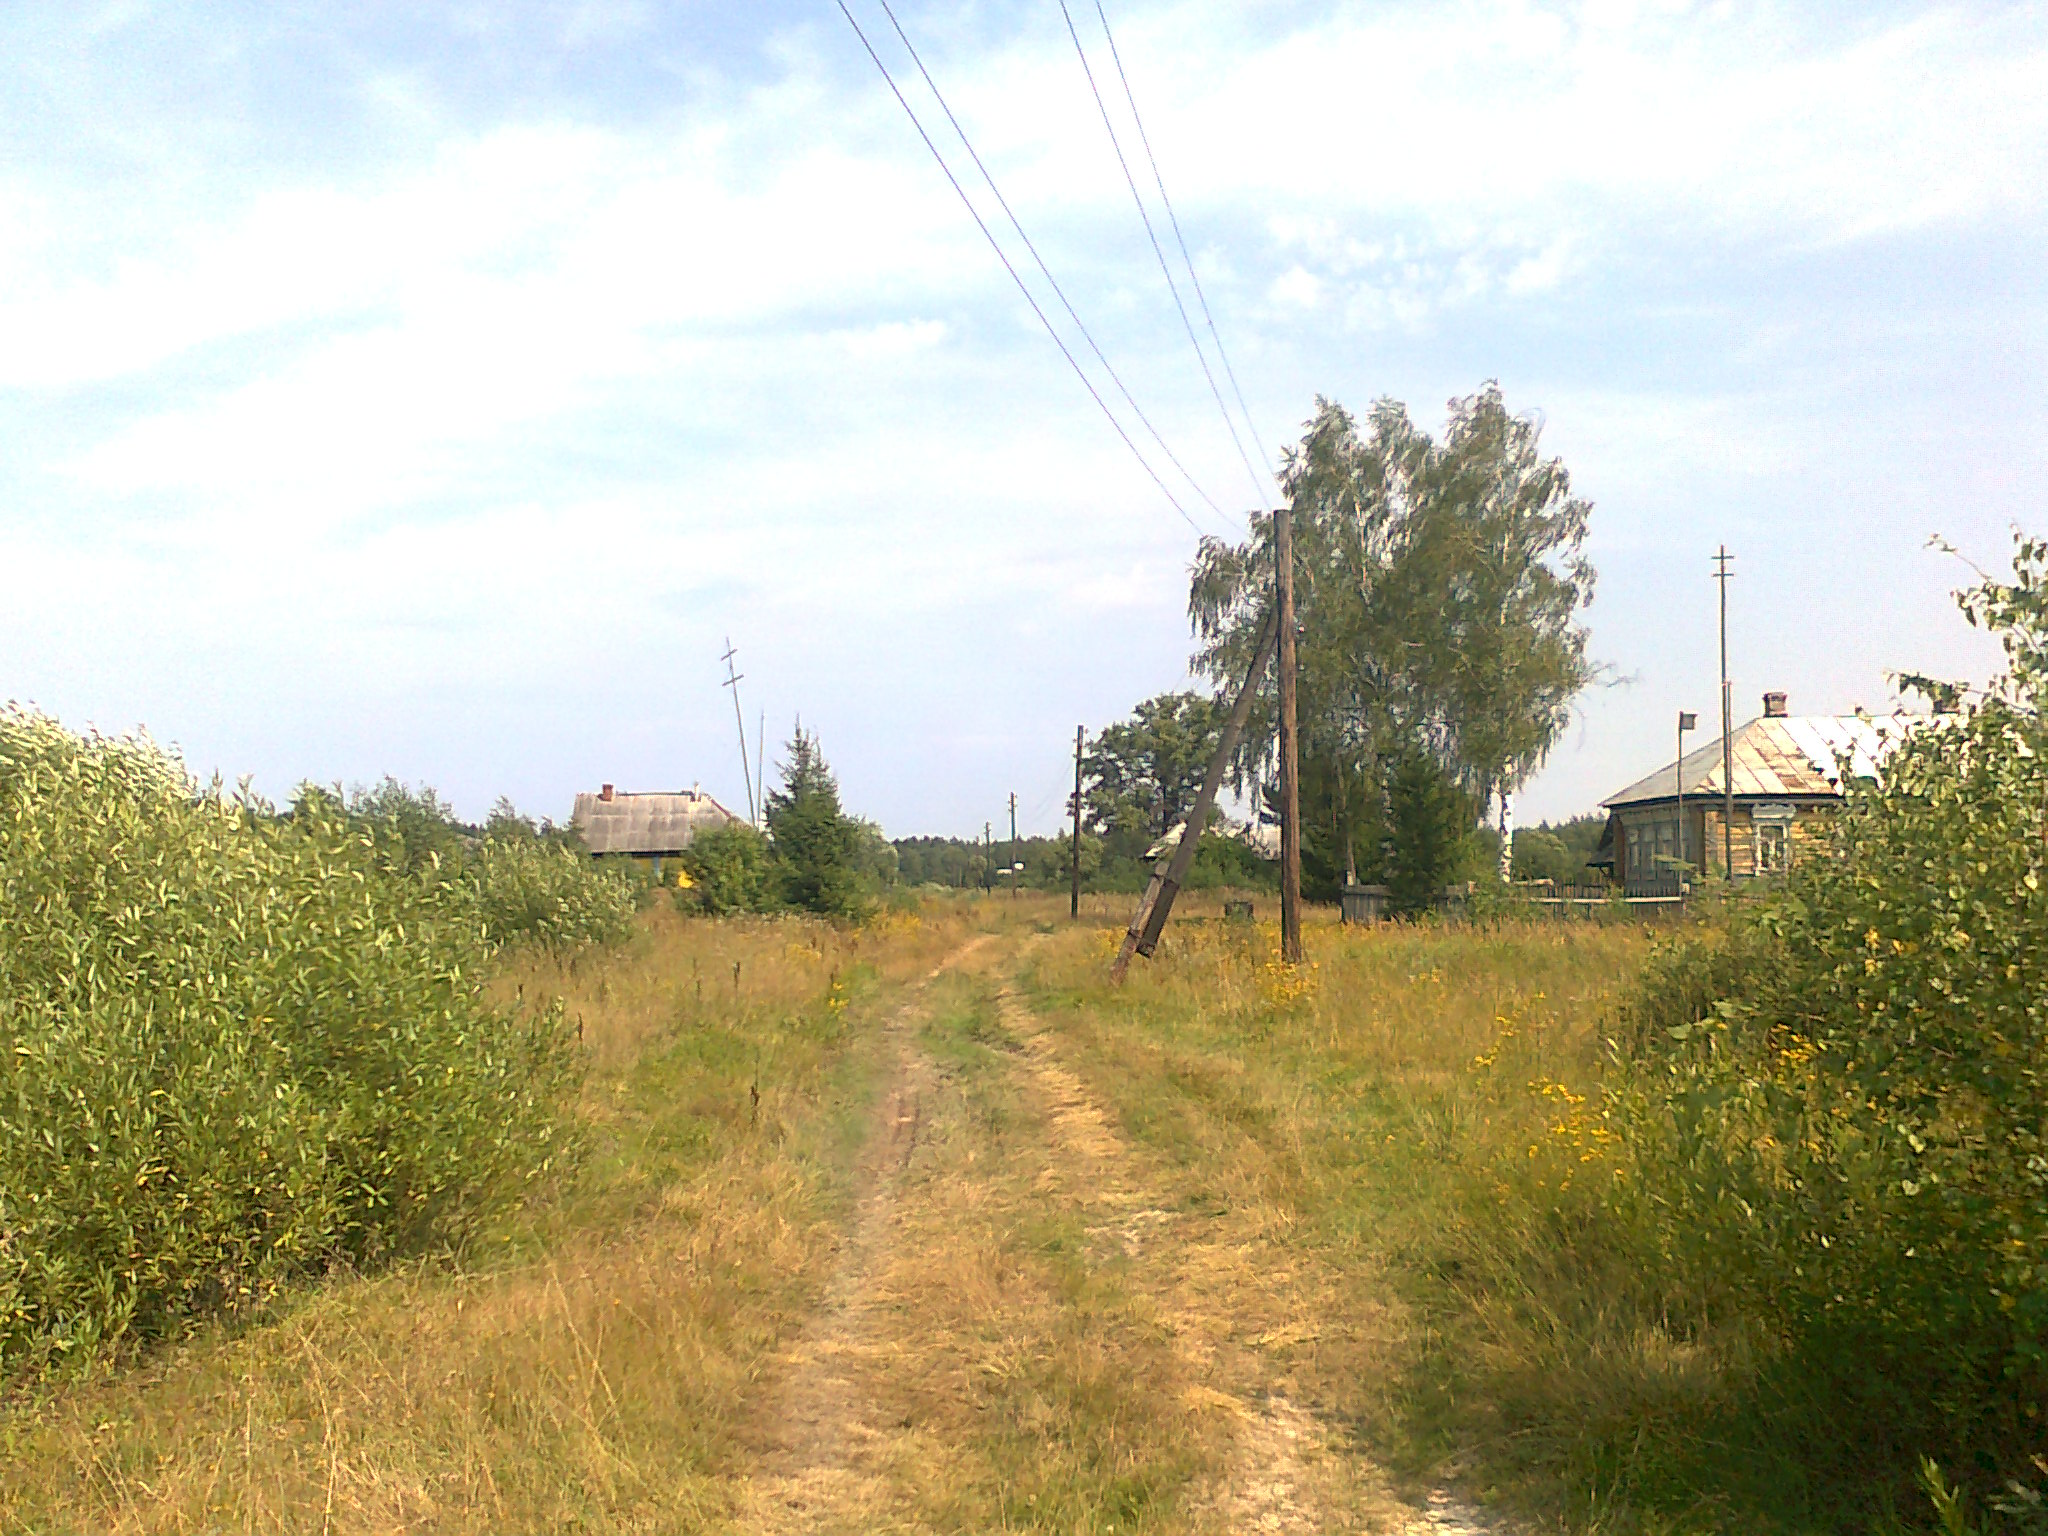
[1415, 1123]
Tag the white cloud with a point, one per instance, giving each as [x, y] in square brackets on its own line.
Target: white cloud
[512, 393]
[1297, 288]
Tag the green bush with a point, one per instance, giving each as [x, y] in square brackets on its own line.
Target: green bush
[532, 888]
[234, 1048]
[1843, 1127]
[730, 870]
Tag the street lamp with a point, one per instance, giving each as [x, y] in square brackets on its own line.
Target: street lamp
[1687, 721]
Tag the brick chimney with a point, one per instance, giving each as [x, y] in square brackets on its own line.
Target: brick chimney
[1774, 706]
[606, 792]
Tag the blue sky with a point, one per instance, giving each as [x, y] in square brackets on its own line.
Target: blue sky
[431, 390]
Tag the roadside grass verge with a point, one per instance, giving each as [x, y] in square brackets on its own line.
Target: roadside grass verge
[586, 1366]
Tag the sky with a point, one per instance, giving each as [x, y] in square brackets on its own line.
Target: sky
[433, 390]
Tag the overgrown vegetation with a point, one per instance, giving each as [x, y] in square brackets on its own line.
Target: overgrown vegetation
[1842, 1125]
[599, 1371]
[237, 1047]
[730, 869]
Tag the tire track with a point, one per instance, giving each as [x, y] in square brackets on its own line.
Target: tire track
[1284, 1475]
[819, 1451]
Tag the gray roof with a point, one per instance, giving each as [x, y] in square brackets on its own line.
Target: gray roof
[656, 823]
[1779, 755]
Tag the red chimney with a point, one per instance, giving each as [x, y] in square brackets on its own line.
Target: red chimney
[606, 792]
[1774, 706]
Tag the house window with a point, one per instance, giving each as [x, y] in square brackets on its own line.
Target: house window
[1668, 851]
[1773, 839]
[1773, 849]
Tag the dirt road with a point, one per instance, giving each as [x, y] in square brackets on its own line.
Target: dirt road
[1033, 1324]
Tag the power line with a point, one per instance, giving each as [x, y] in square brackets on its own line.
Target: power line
[1018, 226]
[987, 234]
[1179, 239]
[1259, 486]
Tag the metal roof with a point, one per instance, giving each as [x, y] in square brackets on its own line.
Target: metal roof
[646, 823]
[1777, 755]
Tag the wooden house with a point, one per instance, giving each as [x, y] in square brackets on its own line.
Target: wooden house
[645, 826]
[1787, 777]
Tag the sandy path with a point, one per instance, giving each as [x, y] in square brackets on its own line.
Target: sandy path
[820, 1452]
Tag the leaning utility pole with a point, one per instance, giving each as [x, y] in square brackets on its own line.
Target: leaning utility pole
[1074, 901]
[1143, 936]
[1723, 575]
[1290, 746]
[732, 681]
[1016, 871]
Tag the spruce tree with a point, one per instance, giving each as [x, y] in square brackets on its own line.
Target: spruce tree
[816, 843]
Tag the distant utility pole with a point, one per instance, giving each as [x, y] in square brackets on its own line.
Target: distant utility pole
[988, 856]
[1074, 901]
[1723, 575]
[1016, 863]
[732, 681]
[1290, 746]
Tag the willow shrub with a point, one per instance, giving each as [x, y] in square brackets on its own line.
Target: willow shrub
[234, 1047]
[536, 889]
[1844, 1125]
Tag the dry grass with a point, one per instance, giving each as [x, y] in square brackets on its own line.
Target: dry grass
[1204, 1254]
[1385, 1144]
[592, 1375]
[991, 1373]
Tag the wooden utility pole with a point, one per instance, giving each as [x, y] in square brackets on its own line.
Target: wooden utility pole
[1016, 874]
[1157, 902]
[1723, 575]
[1074, 901]
[1290, 746]
[732, 681]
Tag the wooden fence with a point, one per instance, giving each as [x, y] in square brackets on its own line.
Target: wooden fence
[1370, 903]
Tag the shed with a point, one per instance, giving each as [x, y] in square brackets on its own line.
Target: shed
[1787, 781]
[644, 825]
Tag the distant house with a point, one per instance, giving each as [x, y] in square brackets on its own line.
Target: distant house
[1787, 782]
[645, 826]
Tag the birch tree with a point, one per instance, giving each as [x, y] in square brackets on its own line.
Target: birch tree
[1437, 589]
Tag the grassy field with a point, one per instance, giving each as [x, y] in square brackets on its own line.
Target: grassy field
[588, 1372]
[1380, 1141]
[922, 1227]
